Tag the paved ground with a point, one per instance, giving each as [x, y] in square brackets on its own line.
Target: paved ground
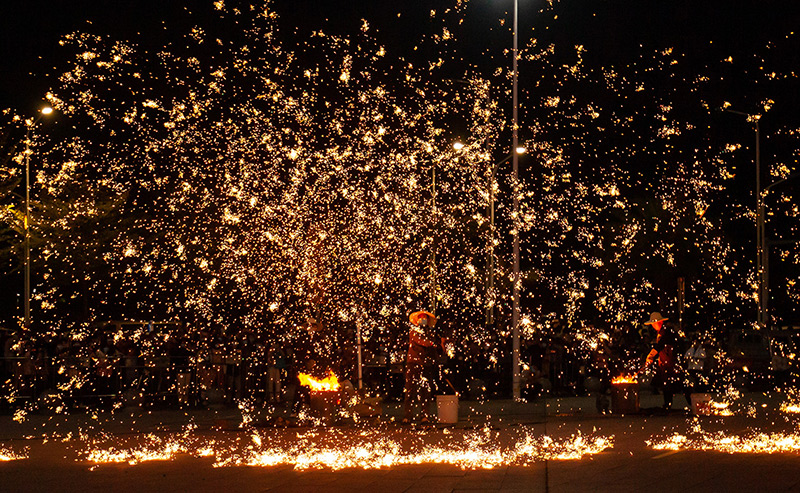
[54, 463]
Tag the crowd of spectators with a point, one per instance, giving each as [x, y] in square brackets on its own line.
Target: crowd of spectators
[174, 366]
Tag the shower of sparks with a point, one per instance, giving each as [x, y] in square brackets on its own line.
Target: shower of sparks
[247, 181]
[258, 187]
[7, 455]
[717, 408]
[721, 441]
[790, 407]
[365, 450]
[250, 184]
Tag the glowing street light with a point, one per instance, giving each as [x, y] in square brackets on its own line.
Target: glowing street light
[760, 238]
[29, 124]
[515, 380]
[490, 249]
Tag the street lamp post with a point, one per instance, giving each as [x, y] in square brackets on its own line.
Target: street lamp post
[490, 246]
[761, 252]
[765, 244]
[433, 240]
[29, 124]
[515, 382]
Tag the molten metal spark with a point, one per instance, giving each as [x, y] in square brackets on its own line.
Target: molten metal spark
[792, 408]
[7, 455]
[365, 450]
[699, 439]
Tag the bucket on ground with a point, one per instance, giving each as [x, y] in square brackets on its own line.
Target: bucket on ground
[324, 403]
[447, 408]
[701, 404]
[625, 398]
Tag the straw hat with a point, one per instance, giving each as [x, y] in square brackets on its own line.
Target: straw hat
[414, 317]
[655, 317]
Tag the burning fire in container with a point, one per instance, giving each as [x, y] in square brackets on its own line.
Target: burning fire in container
[624, 379]
[329, 383]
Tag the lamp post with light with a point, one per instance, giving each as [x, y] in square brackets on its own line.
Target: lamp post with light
[515, 381]
[29, 125]
[490, 266]
[761, 251]
[490, 250]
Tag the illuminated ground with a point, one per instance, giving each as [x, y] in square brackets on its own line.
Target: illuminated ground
[630, 453]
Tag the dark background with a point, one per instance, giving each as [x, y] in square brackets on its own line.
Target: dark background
[704, 30]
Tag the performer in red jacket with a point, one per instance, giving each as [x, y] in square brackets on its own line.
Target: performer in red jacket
[669, 376]
[423, 351]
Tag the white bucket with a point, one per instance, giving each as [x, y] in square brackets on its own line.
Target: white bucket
[701, 404]
[447, 408]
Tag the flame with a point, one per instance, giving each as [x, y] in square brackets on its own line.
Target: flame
[329, 383]
[624, 379]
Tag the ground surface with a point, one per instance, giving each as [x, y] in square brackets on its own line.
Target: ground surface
[56, 451]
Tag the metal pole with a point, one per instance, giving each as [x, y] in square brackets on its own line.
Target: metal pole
[358, 337]
[27, 307]
[761, 277]
[433, 242]
[762, 318]
[681, 300]
[490, 252]
[515, 384]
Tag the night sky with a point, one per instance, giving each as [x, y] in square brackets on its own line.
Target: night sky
[703, 30]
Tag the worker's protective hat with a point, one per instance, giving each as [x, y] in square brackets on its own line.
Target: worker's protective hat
[414, 317]
[655, 317]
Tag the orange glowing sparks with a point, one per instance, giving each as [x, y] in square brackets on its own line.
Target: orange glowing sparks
[623, 379]
[792, 408]
[8, 455]
[328, 383]
[699, 439]
[363, 450]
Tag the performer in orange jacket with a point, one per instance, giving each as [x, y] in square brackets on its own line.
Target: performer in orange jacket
[669, 375]
[423, 352]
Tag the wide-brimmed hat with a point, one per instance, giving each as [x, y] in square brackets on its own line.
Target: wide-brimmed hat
[414, 317]
[655, 317]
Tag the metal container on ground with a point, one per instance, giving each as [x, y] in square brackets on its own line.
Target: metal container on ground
[625, 398]
[447, 408]
[324, 403]
[701, 404]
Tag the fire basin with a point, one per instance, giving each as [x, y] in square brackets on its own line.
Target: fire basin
[625, 398]
[324, 403]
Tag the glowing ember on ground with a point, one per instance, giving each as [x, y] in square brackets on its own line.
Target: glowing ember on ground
[790, 408]
[623, 379]
[328, 383]
[720, 408]
[721, 441]
[156, 448]
[7, 455]
[364, 450]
